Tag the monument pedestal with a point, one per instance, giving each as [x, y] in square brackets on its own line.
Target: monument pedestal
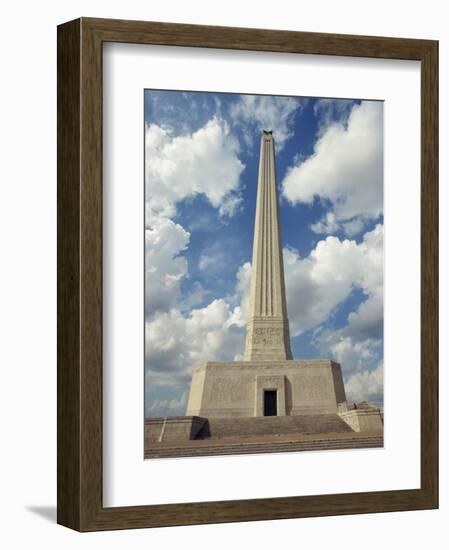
[249, 388]
[365, 418]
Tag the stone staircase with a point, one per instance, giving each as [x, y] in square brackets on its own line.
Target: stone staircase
[270, 444]
[222, 428]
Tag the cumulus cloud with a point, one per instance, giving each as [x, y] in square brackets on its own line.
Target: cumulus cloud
[329, 111]
[366, 386]
[330, 224]
[175, 406]
[180, 167]
[175, 343]
[243, 289]
[345, 171]
[214, 258]
[178, 337]
[318, 284]
[366, 323]
[358, 347]
[257, 113]
[164, 266]
[206, 162]
[315, 285]
[181, 112]
[355, 355]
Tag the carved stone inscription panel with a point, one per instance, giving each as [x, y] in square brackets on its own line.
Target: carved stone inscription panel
[268, 336]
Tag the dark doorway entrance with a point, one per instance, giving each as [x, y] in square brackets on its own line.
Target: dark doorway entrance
[270, 407]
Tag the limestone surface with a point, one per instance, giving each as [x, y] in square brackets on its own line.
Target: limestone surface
[267, 335]
[235, 389]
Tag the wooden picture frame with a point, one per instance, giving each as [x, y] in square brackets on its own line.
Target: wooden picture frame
[80, 503]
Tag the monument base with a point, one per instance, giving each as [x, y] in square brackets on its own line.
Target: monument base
[243, 388]
[172, 428]
[365, 418]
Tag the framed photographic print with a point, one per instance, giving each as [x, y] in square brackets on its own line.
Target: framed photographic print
[211, 193]
[247, 274]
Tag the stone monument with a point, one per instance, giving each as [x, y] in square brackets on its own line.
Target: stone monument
[268, 382]
[230, 399]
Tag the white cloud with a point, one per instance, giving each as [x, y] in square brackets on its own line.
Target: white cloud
[176, 343]
[266, 113]
[329, 224]
[345, 169]
[207, 263]
[358, 345]
[354, 355]
[178, 337]
[213, 258]
[163, 407]
[195, 296]
[329, 111]
[243, 288]
[366, 323]
[180, 167]
[366, 386]
[353, 227]
[316, 284]
[358, 348]
[164, 267]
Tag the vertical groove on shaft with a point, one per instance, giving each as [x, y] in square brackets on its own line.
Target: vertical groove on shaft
[268, 321]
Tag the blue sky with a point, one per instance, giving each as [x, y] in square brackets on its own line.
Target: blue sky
[201, 180]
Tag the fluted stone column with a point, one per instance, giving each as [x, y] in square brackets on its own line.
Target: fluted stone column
[267, 333]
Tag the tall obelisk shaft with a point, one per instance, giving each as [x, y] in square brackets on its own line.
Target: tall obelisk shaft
[267, 332]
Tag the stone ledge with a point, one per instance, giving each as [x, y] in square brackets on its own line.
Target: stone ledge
[293, 363]
[270, 444]
[234, 388]
[172, 428]
[365, 420]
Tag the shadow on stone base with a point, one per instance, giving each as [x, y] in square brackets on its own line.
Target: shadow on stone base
[173, 428]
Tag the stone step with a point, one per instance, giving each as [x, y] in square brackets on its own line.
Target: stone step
[211, 449]
[220, 428]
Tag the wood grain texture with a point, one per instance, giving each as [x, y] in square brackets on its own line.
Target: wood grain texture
[69, 435]
[429, 271]
[80, 274]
